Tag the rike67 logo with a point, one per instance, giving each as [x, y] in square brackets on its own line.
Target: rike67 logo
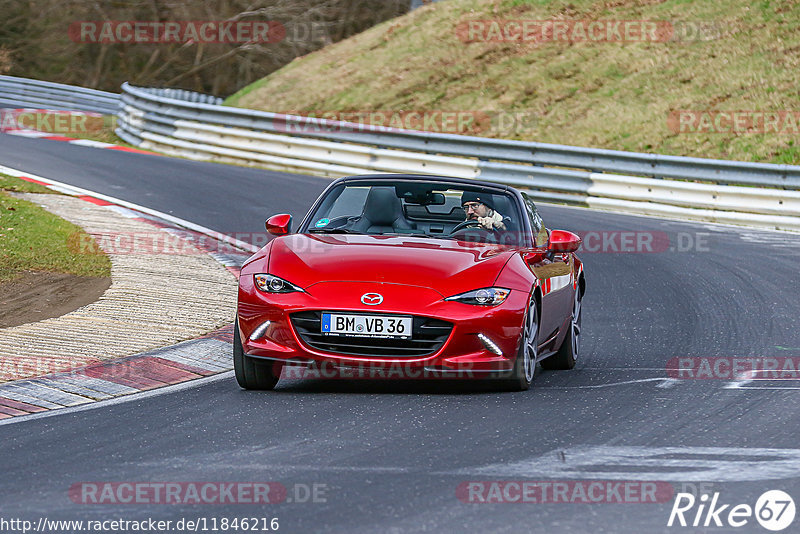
[774, 510]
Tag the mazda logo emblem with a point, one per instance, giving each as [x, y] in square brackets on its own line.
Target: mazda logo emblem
[371, 299]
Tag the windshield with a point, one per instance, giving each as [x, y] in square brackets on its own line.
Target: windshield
[425, 209]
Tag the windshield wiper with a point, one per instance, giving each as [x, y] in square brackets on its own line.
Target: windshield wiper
[332, 231]
[421, 234]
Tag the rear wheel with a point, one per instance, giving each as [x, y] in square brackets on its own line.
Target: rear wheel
[252, 374]
[525, 363]
[567, 355]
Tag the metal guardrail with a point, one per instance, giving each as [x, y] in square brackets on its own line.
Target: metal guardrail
[25, 93]
[755, 194]
[188, 96]
[196, 126]
[593, 159]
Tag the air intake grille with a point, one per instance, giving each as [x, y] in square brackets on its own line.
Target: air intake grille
[428, 336]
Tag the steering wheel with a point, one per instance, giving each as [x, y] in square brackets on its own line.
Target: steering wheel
[469, 223]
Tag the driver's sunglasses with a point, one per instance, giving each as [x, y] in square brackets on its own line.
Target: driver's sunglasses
[471, 206]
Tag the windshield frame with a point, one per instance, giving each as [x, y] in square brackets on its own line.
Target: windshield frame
[513, 195]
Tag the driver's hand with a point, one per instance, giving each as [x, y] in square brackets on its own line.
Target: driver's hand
[486, 222]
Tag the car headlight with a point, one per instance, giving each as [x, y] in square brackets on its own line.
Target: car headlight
[272, 284]
[488, 296]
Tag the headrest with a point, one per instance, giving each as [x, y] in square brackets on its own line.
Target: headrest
[382, 206]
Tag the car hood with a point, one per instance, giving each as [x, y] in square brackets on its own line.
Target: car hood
[445, 265]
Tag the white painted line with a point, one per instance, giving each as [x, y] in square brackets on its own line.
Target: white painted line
[736, 384]
[750, 376]
[91, 143]
[120, 400]
[741, 380]
[61, 190]
[686, 464]
[125, 212]
[167, 217]
[777, 388]
[662, 369]
[662, 380]
[774, 379]
[667, 383]
[28, 133]
[330, 468]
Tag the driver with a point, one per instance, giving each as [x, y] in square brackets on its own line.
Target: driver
[478, 207]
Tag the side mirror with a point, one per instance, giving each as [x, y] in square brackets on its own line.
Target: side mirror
[563, 241]
[279, 224]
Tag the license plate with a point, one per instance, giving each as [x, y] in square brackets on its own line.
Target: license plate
[367, 325]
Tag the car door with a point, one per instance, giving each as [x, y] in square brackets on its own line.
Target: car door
[554, 272]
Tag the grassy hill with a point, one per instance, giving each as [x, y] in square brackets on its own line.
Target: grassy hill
[721, 56]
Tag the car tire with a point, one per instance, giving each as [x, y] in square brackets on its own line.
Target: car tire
[525, 362]
[568, 353]
[251, 374]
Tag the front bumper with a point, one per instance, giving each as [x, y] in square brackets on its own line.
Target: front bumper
[463, 351]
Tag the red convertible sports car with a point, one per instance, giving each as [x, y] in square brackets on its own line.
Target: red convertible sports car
[418, 276]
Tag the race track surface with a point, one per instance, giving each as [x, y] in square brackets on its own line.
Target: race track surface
[390, 455]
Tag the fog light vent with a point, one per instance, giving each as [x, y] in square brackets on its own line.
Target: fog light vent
[260, 331]
[490, 345]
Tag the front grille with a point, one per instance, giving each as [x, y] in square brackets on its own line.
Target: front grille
[428, 336]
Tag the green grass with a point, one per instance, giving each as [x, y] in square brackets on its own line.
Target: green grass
[605, 95]
[33, 239]
[17, 185]
[102, 131]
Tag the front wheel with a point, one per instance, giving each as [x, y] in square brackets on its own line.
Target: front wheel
[251, 374]
[567, 355]
[525, 363]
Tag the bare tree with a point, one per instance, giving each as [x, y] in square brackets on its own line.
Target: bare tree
[38, 44]
[5, 61]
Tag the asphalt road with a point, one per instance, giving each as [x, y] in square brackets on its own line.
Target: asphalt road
[388, 456]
